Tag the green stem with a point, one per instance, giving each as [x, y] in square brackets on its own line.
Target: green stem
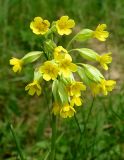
[82, 133]
[53, 138]
[16, 142]
[77, 122]
[70, 42]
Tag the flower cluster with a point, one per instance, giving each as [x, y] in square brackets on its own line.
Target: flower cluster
[60, 69]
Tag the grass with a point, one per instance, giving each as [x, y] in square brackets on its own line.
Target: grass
[102, 135]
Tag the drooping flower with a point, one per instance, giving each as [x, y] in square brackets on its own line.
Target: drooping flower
[107, 86]
[66, 67]
[39, 26]
[65, 25]
[49, 70]
[33, 88]
[60, 53]
[103, 87]
[76, 101]
[75, 88]
[104, 60]
[100, 32]
[17, 64]
[67, 111]
[56, 108]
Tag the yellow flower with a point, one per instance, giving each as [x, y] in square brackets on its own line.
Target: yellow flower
[104, 87]
[17, 64]
[67, 111]
[61, 53]
[95, 88]
[50, 70]
[76, 101]
[100, 34]
[75, 88]
[104, 60]
[33, 87]
[107, 86]
[56, 109]
[66, 67]
[64, 25]
[39, 26]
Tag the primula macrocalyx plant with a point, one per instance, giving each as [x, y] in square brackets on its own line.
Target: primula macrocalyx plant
[67, 78]
[60, 69]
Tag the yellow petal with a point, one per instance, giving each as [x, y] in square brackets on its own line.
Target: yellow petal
[38, 19]
[70, 23]
[47, 22]
[67, 31]
[73, 67]
[46, 77]
[64, 18]
[31, 91]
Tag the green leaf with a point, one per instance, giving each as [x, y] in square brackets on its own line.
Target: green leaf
[88, 54]
[84, 35]
[31, 56]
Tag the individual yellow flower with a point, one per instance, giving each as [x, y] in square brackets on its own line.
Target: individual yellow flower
[39, 26]
[17, 64]
[104, 60]
[107, 86]
[61, 53]
[49, 70]
[67, 111]
[104, 87]
[33, 88]
[66, 67]
[75, 88]
[56, 108]
[76, 101]
[65, 25]
[100, 32]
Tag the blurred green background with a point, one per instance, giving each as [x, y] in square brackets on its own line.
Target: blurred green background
[104, 133]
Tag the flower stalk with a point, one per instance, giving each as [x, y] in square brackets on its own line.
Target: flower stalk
[53, 138]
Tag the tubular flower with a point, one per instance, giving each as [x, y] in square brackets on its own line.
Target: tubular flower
[61, 53]
[67, 111]
[56, 109]
[100, 34]
[17, 64]
[49, 70]
[76, 101]
[75, 88]
[66, 67]
[33, 88]
[104, 60]
[107, 86]
[104, 87]
[39, 26]
[65, 25]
